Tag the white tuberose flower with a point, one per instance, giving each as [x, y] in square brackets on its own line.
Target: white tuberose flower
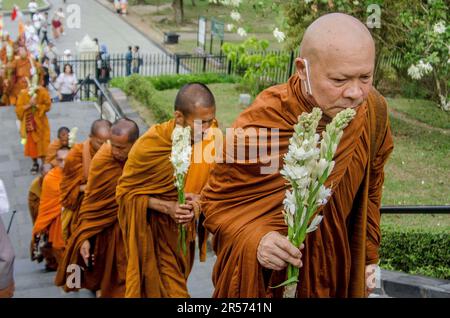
[181, 153]
[73, 136]
[314, 224]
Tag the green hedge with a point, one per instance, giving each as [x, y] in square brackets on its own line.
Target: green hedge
[143, 88]
[143, 91]
[177, 81]
[416, 252]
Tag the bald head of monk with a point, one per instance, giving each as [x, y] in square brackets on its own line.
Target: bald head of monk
[336, 63]
[124, 133]
[61, 155]
[100, 133]
[195, 106]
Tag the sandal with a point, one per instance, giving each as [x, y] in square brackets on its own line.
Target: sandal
[35, 169]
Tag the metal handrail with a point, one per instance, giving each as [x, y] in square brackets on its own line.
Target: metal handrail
[415, 209]
[107, 94]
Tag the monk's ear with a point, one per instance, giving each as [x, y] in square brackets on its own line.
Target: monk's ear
[179, 118]
[300, 67]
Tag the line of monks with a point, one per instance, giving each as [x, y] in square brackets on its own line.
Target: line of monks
[108, 206]
[81, 206]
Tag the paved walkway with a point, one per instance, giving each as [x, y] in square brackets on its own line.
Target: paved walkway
[97, 22]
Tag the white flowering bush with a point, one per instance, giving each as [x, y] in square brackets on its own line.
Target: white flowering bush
[307, 165]
[412, 40]
[257, 66]
[181, 159]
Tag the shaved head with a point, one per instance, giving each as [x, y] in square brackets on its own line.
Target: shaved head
[336, 63]
[100, 126]
[126, 127]
[335, 33]
[124, 133]
[192, 96]
[100, 133]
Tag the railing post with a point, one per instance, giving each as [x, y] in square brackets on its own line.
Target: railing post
[291, 64]
[177, 57]
[204, 63]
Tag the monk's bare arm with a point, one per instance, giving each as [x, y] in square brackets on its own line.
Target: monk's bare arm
[180, 213]
[161, 206]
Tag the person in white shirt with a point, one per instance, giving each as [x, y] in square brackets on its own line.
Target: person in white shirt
[32, 8]
[66, 83]
[38, 18]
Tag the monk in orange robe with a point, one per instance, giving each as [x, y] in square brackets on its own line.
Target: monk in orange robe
[243, 206]
[34, 199]
[55, 145]
[97, 243]
[34, 128]
[21, 69]
[6, 41]
[149, 214]
[7, 57]
[48, 222]
[76, 171]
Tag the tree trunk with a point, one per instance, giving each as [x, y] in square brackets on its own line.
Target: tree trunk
[193, 3]
[178, 9]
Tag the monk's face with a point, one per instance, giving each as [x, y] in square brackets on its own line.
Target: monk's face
[199, 115]
[102, 136]
[64, 138]
[22, 53]
[61, 157]
[120, 147]
[339, 78]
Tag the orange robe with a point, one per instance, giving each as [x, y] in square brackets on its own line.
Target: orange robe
[34, 122]
[49, 216]
[156, 266]
[21, 69]
[34, 198]
[52, 149]
[98, 223]
[34, 195]
[76, 170]
[242, 205]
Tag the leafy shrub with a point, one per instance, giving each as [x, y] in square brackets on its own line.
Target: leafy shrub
[416, 251]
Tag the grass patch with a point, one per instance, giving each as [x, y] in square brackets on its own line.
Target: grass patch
[23, 4]
[424, 111]
[417, 171]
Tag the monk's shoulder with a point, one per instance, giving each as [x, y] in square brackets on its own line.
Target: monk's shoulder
[103, 155]
[75, 154]
[269, 100]
[52, 176]
[377, 100]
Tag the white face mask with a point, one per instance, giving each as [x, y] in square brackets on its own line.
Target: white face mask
[4, 202]
[308, 87]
